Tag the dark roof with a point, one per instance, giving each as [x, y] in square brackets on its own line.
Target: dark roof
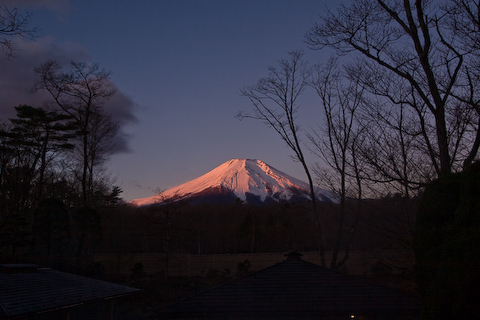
[295, 289]
[26, 289]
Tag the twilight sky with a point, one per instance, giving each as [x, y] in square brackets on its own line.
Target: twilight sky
[179, 66]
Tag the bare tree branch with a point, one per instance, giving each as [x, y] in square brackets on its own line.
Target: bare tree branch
[13, 24]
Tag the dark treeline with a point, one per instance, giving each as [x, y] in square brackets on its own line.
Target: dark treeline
[241, 228]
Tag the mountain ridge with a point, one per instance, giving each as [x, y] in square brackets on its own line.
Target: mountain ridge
[249, 180]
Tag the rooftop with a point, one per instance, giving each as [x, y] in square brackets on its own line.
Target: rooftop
[27, 289]
[295, 289]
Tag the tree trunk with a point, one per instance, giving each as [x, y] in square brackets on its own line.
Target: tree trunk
[320, 242]
[442, 136]
[85, 168]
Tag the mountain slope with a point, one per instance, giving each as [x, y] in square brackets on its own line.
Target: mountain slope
[250, 180]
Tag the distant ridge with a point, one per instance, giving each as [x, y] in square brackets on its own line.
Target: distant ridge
[250, 180]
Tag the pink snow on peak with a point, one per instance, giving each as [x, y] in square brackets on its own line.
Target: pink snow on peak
[240, 176]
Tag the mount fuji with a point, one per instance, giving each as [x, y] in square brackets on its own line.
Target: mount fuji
[250, 180]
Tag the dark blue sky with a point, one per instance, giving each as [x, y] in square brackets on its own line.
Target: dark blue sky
[179, 66]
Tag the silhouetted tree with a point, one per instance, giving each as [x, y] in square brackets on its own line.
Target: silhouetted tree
[274, 99]
[14, 233]
[81, 94]
[336, 143]
[251, 227]
[44, 134]
[407, 54]
[17, 173]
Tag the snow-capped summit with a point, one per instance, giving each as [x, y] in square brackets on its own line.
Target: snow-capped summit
[250, 180]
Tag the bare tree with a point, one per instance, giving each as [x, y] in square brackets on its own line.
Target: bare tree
[102, 132]
[463, 19]
[81, 94]
[13, 24]
[408, 55]
[274, 99]
[393, 150]
[334, 142]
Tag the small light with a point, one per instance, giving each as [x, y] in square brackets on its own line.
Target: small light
[352, 316]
